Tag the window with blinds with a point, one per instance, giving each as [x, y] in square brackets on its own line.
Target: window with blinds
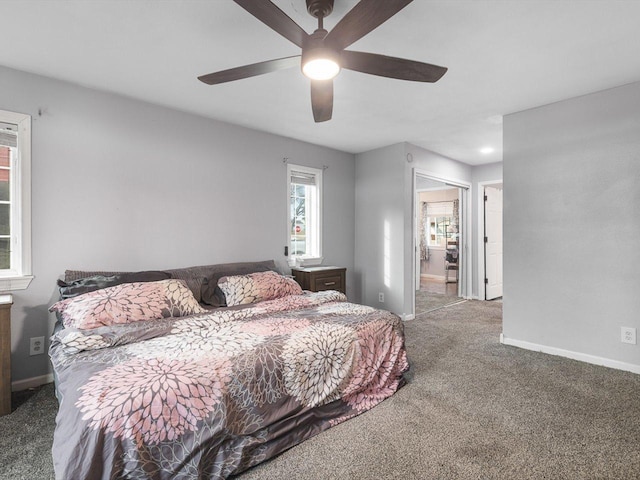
[304, 211]
[440, 226]
[8, 153]
[15, 201]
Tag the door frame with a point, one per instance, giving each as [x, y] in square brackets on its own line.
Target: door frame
[464, 281]
[482, 292]
[418, 211]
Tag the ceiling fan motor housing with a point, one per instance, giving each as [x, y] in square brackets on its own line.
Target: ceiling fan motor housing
[320, 8]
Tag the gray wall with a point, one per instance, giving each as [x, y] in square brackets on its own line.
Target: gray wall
[384, 193]
[125, 185]
[571, 192]
[380, 200]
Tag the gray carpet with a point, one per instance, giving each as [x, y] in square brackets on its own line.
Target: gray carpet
[427, 301]
[473, 409]
[26, 437]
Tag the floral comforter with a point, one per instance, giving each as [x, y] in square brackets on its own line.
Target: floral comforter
[210, 395]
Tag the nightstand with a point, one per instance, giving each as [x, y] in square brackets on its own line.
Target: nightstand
[5, 354]
[317, 279]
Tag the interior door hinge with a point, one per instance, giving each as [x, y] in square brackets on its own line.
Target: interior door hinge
[486, 281]
[486, 239]
[485, 198]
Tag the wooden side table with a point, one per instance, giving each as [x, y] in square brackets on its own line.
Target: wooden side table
[5, 354]
[317, 279]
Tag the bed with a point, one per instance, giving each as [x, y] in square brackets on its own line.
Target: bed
[165, 375]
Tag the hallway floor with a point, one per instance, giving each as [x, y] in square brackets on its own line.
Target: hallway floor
[432, 285]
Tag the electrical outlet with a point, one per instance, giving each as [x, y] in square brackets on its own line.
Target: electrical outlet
[381, 297]
[36, 346]
[628, 335]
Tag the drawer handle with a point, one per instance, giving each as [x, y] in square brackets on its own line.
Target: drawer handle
[327, 284]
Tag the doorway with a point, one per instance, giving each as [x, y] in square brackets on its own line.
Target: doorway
[493, 242]
[440, 278]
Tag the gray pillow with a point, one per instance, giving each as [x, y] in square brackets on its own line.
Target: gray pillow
[96, 282]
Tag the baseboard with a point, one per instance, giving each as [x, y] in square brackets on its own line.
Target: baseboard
[31, 382]
[582, 357]
[406, 318]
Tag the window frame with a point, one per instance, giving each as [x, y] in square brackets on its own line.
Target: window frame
[19, 276]
[440, 241]
[317, 172]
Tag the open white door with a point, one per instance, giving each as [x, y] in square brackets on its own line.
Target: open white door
[493, 242]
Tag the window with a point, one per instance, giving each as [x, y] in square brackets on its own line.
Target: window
[441, 229]
[15, 201]
[304, 212]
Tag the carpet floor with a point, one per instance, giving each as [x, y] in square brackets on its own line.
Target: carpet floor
[428, 301]
[472, 409]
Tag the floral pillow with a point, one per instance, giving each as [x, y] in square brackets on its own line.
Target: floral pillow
[128, 303]
[257, 287]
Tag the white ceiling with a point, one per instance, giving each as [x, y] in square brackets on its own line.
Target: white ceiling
[503, 56]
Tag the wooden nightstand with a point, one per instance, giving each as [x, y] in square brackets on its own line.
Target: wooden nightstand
[5, 354]
[317, 279]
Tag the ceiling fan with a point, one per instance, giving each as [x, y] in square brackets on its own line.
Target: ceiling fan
[324, 54]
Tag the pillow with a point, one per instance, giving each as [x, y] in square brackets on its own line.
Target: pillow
[128, 303]
[73, 275]
[211, 292]
[96, 282]
[78, 282]
[193, 282]
[257, 287]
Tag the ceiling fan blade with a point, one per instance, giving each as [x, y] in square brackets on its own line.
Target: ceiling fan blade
[322, 99]
[252, 70]
[361, 19]
[276, 19]
[391, 67]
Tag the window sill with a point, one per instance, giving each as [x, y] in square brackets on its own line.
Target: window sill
[8, 284]
[299, 261]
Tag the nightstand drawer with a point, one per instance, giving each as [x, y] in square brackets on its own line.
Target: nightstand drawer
[333, 282]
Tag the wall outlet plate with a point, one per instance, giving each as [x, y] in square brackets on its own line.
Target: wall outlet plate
[381, 297]
[36, 345]
[628, 335]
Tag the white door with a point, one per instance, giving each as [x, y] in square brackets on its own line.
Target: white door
[493, 242]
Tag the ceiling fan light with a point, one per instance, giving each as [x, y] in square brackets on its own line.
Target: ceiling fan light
[321, 69]
[319, 62]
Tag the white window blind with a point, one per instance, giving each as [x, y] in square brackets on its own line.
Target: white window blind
[8, 138]
[440, 209]
[303, 178]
